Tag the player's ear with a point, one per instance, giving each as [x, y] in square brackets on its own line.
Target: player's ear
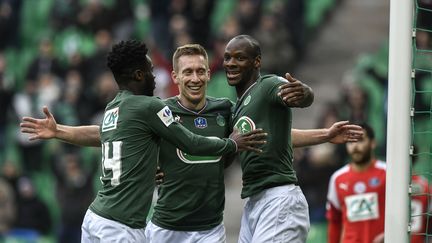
[138, 74]
[174, 77]
[257, 62]
[373, 144]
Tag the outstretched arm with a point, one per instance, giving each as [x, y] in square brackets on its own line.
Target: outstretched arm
[296, 93]
[48, 128]
[339, 132]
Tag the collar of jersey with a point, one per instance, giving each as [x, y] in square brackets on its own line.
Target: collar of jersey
[247, 91]
[192, 111]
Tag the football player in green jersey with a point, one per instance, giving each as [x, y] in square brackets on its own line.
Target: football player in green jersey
[276, 209]
[191, 198]
[133, 126]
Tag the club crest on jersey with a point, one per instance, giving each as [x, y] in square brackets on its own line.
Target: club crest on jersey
[200, 122]
[374, 182]
[220, 120]
[110, 119]
[166, 116]
[244, 124]
[359, 187]
[247, 100]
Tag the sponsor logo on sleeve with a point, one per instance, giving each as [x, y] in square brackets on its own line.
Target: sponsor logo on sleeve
[166, 116]
[110, 119]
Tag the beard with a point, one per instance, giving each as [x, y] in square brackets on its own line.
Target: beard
[360, 158]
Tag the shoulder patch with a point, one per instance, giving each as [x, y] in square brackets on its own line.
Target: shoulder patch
[282, 79]
[166, 116]
[110, 119]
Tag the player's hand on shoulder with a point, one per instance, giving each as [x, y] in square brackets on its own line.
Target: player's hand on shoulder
[249, 140]
[295, 93]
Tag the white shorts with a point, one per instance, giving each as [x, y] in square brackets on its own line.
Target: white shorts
[278, 214]
[156, 234]
[97, 229]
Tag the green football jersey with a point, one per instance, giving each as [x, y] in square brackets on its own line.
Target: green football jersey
[131, 131]
[192, 195]
[261, 107]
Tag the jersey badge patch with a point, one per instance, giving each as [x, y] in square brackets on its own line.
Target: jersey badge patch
[244, 124]
[220, 120]
[166, 116]
[359, 187]
[110, 119]
[374, 182]
[200, 122]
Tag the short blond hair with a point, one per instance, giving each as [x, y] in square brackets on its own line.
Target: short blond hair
[188, 50]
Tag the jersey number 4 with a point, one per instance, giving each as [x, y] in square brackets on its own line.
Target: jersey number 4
[112, 163]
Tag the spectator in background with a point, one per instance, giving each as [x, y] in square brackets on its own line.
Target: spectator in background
[95, 64]
[424, 21]
[71, 106]
[95, 15]
[273, 37]
[7, 207]
[6, 97]
[199, 13]
[293, 17]
[159, 21]
[26, 102]
[355, 103]
[44, 63]
[74, 191]
[32, 212]
[248, 14]
[11, 172]
[63, 14]
[10, 19]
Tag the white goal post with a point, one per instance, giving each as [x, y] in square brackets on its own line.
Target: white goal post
[398, 122]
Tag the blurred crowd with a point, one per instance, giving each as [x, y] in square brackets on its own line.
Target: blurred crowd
[52, 52]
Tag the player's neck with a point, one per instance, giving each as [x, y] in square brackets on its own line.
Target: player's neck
[191, 105]
[243, 88]
[362, 167]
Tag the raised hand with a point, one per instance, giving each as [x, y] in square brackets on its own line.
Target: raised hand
[248, 141]
[295, 93]
[40, 128]
[343, 132]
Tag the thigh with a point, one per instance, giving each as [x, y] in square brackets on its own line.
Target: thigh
[283, 219]
[214, 235]
[156, 234]
[245, 235]
[97, 229]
